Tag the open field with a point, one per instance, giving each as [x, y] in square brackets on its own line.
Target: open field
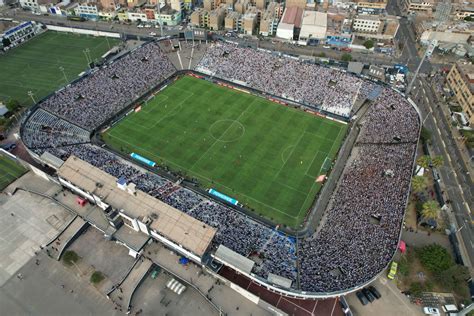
[34, 66]
[265, 155]
[9, 171]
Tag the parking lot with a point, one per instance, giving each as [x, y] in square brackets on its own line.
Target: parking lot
[27, 221]
[153, 297]
[392, 302]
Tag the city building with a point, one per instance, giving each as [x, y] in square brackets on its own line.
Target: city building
[88, 10]
[296, 3]
[270, 18]
[366, 7]
[375, 27]
[464, 10]
[241, 6]
[232, 21]
[339, 29]
[418, 6]
[290, 23]
[313, 27]
[249, 21]
[460, 80]
[200, 18]
[216, 18]
[13, 34]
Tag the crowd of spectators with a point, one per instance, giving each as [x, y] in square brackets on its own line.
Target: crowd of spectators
[98, 96]
[44, 130]
[359, 231]
[329, 89]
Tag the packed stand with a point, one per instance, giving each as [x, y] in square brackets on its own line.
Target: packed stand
[391, 120]
[330, 89]
[362, 224]
[97, 97]
[44, 130]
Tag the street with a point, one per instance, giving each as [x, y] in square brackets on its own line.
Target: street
[455, 179]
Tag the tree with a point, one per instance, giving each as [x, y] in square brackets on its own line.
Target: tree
[430, 209]
[13, 105]
[425, 135]
[70, 257]
[369, 44]
[454, 277]
[322, 54]
[346, 57]
[96, 277]
[437, 161]
[418, 184]
[423, 162]
[435, 258]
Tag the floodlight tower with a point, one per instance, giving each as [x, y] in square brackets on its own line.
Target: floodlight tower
[427, 53]
[158, 2]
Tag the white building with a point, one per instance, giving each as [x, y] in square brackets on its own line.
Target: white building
[290, 23]
[366, 24]
[314, 26]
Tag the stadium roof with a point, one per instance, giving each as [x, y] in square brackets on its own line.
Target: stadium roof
[234, 260]
[51, 160]
[279, 280]
[168, 221]
[314, 25]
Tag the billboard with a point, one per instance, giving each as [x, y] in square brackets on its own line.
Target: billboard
[223, 197]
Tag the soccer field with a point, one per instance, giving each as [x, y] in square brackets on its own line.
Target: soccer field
[263, 154]
[9, 171]
[34, 66]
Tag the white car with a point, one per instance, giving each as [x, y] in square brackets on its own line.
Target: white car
[140, 26]
[152, 34]
[147, 25]
[431, 311]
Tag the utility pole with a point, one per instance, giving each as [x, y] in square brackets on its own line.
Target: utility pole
[428, 52]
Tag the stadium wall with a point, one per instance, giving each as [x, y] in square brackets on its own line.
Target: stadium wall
[81, 31]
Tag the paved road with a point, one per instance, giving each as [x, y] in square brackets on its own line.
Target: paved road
[454, 178]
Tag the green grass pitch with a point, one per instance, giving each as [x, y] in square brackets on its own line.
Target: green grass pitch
[9, 171]
[265, 155]
[34, 66]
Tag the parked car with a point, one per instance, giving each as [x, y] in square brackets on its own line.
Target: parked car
[152, 34]
[8, 146]
[374, 291]
[369, 295]
[431, 311]
[363, 300]
[393, 270]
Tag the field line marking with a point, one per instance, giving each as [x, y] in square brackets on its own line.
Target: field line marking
[217, 139]
[281, 168]
[317, 151]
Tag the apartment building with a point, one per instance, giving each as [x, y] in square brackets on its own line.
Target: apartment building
[200, 18]
[232, 21]
[460, 80]
[418, 6]
[249, 20]
[270, 18]
[216, 18]
[376, 27]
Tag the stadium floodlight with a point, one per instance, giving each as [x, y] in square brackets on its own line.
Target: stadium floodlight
[88, 59]
[61, 68]
[31, 95]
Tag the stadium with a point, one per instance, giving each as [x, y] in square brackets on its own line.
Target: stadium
[203, 157]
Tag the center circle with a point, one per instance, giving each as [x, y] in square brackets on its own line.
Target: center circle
[226, 131]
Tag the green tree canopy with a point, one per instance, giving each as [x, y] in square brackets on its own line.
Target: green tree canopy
[430, 209]
[425, 135]
[435, 258]
[346, 57]
[13, 105]
[437, 161]
[418, 183]
[369, 44]
[423, 161]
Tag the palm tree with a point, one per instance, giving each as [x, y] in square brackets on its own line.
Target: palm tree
[437, 161]
[423, 162]
[430, 210]
[418, 183]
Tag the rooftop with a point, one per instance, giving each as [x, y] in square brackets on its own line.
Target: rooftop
[167, 221]
[467, 72]
[293, 16]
